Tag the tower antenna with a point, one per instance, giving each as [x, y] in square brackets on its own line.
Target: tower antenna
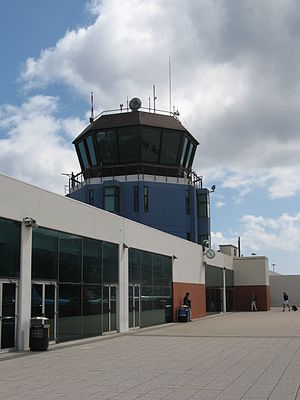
[154, 98]
[92, 108]
[170, 86]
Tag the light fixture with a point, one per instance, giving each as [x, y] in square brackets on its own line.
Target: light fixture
[213, 188]
[253, 254]
[125, 246]
[174, 257]
[30, 222]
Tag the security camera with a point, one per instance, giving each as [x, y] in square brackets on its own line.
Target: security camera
[30, 222]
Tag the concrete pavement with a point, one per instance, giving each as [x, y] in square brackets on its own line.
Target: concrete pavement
[233, 356]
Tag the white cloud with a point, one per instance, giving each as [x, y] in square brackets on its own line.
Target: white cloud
[34, 148]
[262, 234]
[236, 79]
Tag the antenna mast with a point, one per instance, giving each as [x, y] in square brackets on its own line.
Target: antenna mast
[92, 108]
[170, 87]
[154, 98]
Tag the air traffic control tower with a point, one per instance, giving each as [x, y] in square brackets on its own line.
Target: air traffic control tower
[138, 164]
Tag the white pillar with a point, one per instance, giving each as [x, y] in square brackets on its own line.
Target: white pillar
[25, 288]
[224, 290]
[123, 289]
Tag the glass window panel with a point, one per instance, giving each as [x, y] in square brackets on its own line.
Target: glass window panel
[189, 155]
[134, 266]
[92, 261]
[44, 254]
[128, 144]
[157, 270]
[70, 319]
[111, 199]
[150, 144]
[170, 144]
[136, 199]
[113, 308]
[36, 300]
[92, 305]
[167, 271]
[10, 233]
[147, 309]
[83, 155]
[107, 146]
[146, 268]
[130, 306]
[159, 316]
[50, 308]
[8, 315]
[70, 258]
[183, 150]
[213, 276]
[90, 144]
[110, 262]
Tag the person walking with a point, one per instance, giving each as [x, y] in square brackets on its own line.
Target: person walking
[285, 302]
[188, 303]
[253, 302]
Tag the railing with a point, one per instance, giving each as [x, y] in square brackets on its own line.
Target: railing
[126, 110]
[170, 173]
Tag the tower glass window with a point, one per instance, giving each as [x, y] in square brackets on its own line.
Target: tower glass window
[91, 197]
[150, 144]
[187, 202]
[128, 144]
[202, 205]
[111, 199]
[83, 155]
[183, 150]
[146, 199]
[136, 199]
[190, 149]
[170, 144]
[90, 145]
[107, 146]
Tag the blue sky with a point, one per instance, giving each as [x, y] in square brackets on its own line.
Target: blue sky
[235, 81]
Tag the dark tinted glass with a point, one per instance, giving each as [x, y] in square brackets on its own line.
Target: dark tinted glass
[92, 261]
[92, 304]
[170, 144]
[190, 149]
[111, 199]
[110, 262]
[150, 144]
[158, 305]
[167, 271]
[134, 266]
[90, 144]
[157, 269]
[128, 144]
[213, 276]
[147, 309]
[107, 146]
[8, 315]
[229, 277]
[70, 258]
[69, 323]
[146, 268]
[183, 150]
[10, 232]
[44, 254]
[83, 155]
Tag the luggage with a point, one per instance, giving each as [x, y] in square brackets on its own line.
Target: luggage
[294, 308]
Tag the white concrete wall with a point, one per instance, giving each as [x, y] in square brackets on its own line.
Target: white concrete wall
[250, 271]
[284, 283]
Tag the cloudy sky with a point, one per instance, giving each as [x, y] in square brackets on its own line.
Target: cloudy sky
[235, 82]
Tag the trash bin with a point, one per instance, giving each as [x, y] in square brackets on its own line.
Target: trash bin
[183, 313]
[169, 313]
[39, 334]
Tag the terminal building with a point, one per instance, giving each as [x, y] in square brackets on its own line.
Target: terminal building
[125, 254]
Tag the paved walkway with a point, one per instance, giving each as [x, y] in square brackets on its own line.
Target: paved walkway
[235, 356]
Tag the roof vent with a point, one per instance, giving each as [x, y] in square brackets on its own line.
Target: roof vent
[135, 104]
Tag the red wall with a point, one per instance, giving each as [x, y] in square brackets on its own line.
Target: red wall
[197, 297]
[242, 297]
